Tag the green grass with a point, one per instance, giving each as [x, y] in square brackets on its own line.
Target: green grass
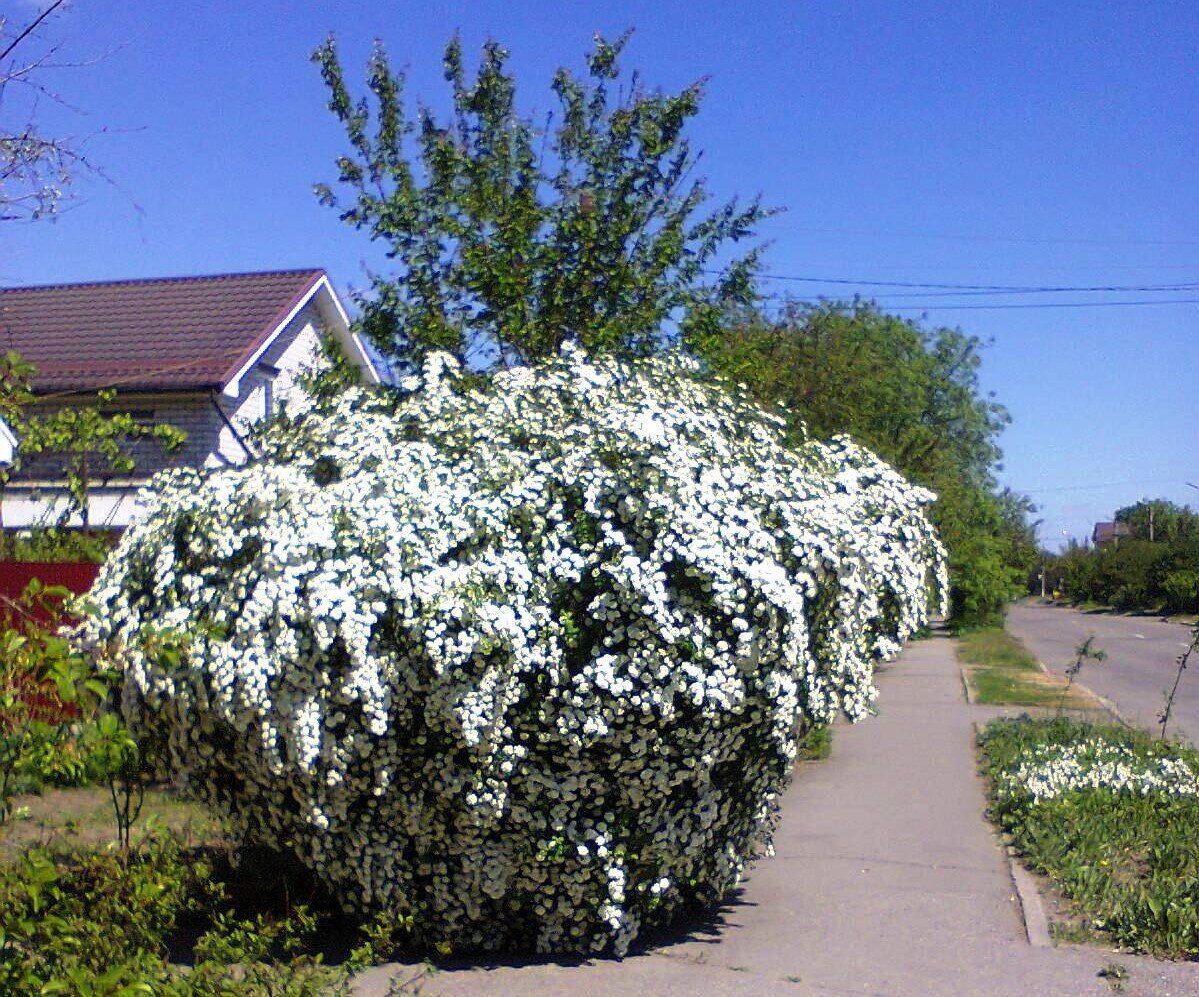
[1001, 672]
[1128, 863]
[995, 648]
[816, 744]
[83, 818]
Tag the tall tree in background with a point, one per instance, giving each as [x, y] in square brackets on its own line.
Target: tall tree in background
[36, 169]
[1159, 520]
[912, 396]
[510, 237]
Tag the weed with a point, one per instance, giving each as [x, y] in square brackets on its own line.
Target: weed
[1086, 651]
[1183, 660]
[1115, 974]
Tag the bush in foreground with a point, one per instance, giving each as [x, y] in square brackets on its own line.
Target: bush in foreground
[524, 661]
[1110, 814]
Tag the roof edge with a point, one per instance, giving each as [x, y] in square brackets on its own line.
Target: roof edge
[232, 377]
[180, 279]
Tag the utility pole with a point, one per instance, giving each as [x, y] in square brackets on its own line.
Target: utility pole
[1151, 522]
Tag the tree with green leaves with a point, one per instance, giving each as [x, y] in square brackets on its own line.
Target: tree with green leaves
[510, 237]
[911, 395]
[1159, 520]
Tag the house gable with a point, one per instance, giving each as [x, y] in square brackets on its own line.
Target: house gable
[328, 316]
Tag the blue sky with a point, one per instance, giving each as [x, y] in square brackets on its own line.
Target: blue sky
[962, 143]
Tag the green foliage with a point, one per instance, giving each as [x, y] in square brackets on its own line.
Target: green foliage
[511, 237]
[1128, 862]
[16, 375]
[334, 374]
[1159, 520]
[92, 923]
[56, 545]
[1135, 573]
[816, 744]
[94, 442]
[911, 395]
[908, 394]
[97, 923]
[43, 678]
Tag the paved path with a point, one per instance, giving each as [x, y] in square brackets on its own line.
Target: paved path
[887, 880]
[1142, 655]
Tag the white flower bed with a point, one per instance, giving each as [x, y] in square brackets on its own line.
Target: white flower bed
[1055, 769]
[525, 662]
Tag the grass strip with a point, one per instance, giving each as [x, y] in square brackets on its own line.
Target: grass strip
[1001, 672]
[1127, 859]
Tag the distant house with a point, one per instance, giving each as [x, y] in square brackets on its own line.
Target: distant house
[211, 355]
[1109, 533]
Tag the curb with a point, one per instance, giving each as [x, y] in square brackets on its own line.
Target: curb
[966, 690]
[1028, 895]
[1032, 908]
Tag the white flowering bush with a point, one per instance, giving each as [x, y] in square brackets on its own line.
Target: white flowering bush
[526, 659]
[1050, 770]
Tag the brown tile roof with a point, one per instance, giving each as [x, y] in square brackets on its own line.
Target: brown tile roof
[177, 333]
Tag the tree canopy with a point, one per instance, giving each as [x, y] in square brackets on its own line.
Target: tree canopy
[913, 396]
[1160, 520]
[511, 236]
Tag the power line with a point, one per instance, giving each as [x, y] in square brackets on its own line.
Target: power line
[938, 306]
[1015, 240]
[1049, 304]
[987, 288]
[1079, 488]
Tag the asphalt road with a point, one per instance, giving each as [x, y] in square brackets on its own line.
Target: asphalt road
[1142, 656]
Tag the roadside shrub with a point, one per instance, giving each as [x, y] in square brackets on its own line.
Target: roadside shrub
[99, 922]
[523, 660]
[1181, 589]
[90, 923]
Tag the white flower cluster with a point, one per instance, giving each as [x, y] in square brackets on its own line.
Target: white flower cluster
[1054, 769]
[524, 659]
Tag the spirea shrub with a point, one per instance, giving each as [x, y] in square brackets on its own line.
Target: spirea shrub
[524, 659]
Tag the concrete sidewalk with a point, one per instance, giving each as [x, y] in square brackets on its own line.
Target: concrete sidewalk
[887, 880]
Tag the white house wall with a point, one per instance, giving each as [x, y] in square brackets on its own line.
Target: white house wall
[7, 444]
[109, 506]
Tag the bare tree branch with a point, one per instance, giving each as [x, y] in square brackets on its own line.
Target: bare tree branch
[36, 169]
[30, 28]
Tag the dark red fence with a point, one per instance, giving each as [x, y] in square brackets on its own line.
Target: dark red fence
[40, 696]
[15, 576]
[75, 575]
